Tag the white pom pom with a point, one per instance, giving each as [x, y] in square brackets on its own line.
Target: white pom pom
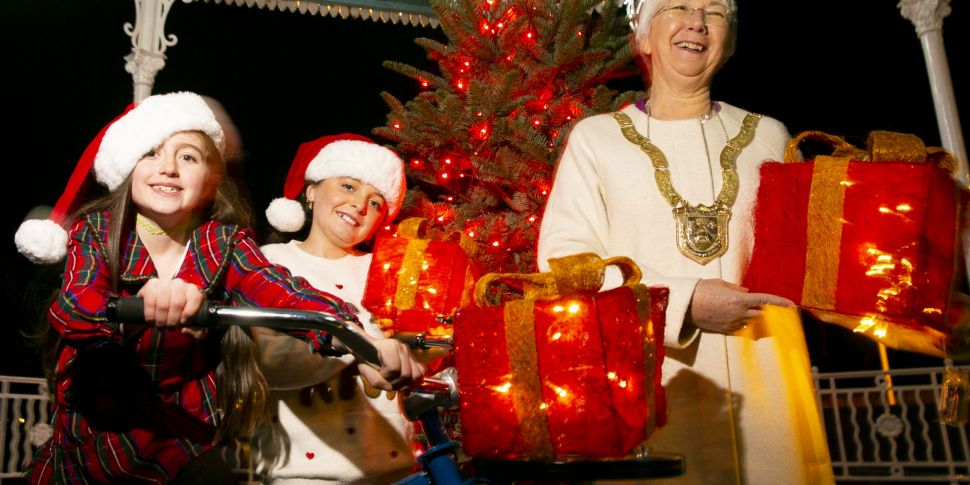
[285, 215]
[43, 241]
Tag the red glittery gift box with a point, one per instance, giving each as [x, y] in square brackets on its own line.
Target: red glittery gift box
[565, 372]
[412, 281]
[874, 233]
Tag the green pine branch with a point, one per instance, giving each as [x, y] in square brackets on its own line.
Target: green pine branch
[481, 143]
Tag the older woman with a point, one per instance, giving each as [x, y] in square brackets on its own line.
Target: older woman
[671, 182]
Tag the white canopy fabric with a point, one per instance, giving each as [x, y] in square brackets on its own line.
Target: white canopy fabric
[406, 12]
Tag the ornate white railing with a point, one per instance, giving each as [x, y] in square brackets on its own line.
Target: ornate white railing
[889, 430]
[878, 429]
[24, 425]
[23, 421]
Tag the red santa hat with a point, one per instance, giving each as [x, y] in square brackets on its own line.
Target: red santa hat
[111, 156]
[344, 155]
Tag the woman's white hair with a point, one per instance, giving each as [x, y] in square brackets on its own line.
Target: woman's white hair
[645, 10]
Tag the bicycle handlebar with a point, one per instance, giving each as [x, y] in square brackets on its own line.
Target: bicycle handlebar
[424, 341]
[130, 309]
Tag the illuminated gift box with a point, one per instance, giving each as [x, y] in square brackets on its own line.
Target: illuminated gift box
[412, 281]
[565, 372]
[875, 234]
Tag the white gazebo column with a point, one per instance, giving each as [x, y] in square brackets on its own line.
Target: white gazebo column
[927, 16]
[148, 44]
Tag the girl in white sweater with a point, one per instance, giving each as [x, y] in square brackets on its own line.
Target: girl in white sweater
[324, 428]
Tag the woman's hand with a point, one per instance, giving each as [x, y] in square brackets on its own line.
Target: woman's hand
[171, 303]
[399, 369]
[722, 307]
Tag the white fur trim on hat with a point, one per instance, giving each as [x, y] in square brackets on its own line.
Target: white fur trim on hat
[367, 162]
[42, 241]
[285, 215]
[147, 126]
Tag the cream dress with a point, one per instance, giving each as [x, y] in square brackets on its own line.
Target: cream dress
[741, 407]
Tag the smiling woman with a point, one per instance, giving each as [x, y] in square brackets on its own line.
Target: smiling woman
[670, 181]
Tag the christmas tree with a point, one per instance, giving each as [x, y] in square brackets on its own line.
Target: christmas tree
[481, 140]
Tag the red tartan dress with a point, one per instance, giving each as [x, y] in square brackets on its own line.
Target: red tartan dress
[164, 412]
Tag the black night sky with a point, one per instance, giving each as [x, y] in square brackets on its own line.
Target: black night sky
[841, 66]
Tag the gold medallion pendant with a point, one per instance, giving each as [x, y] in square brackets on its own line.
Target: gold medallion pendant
[702, 231]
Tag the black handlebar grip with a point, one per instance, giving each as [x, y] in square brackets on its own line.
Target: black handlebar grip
[131, 309]
[126, 309]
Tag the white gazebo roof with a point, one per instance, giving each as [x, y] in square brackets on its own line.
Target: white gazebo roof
[406, 12]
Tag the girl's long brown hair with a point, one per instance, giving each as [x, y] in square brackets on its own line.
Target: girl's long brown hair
[242, 389]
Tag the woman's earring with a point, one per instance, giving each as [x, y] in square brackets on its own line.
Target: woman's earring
[309, 206]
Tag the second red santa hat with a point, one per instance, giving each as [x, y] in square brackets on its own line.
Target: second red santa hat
[343, 155]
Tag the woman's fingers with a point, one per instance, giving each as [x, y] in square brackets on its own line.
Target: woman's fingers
[719, 306]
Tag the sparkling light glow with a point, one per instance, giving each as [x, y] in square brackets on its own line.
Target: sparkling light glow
[504, 388]
[876, 326]
[897, 273]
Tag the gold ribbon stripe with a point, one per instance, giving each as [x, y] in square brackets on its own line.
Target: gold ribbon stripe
[520, 339]
[825, 210]
[407, 276]
[642, 295]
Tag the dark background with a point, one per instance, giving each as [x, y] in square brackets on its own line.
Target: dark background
[841, 66]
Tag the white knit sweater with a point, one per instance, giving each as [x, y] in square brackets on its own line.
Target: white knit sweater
[360, 440]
